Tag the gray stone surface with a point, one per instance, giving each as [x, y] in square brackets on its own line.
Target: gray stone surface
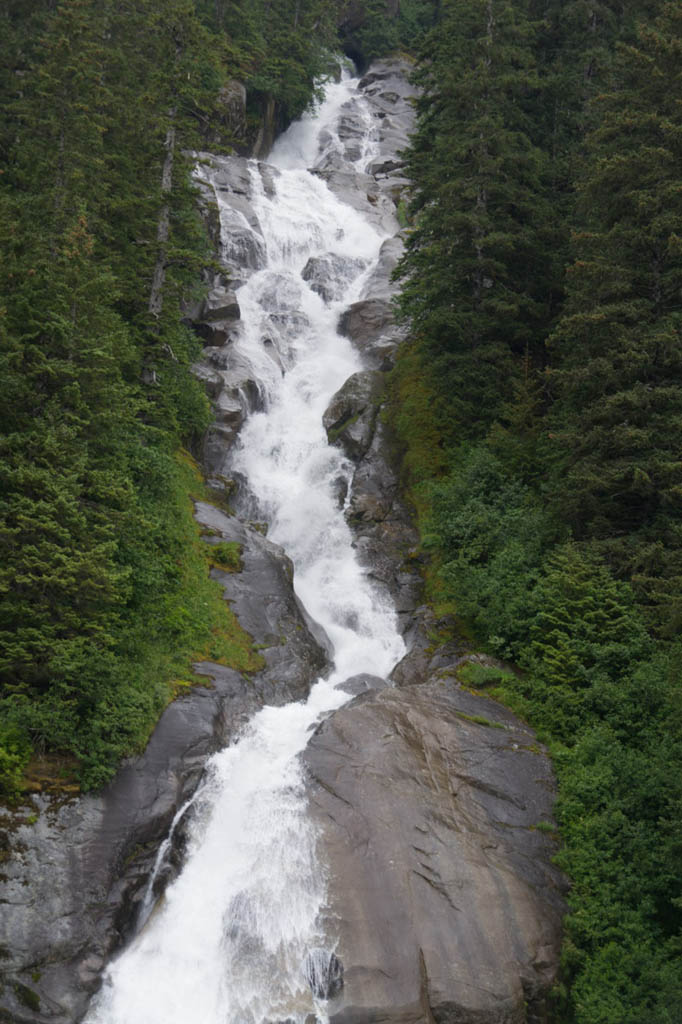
[351, 415]
[379, 284]
[221, 304]
[443, 900]
[229, 381]
[240, 243]
[385, 535]
[70, 889]
[330, 274]
[370, 325]
[362, 683]
[425, 655]
[263, 599]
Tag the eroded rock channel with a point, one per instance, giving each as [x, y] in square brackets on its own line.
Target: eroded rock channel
[395, 872]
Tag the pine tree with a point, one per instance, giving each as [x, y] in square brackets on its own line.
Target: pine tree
[618, 421]
[478, 275]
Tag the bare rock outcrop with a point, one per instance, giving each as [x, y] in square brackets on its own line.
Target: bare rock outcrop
[434, 807]
[350, 416]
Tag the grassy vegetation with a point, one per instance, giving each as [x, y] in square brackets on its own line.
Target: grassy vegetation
[226, 555]
[481, 677]
[480, 720]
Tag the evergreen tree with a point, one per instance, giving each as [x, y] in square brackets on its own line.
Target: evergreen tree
[618, 420]
[478, 272]
[102, 101]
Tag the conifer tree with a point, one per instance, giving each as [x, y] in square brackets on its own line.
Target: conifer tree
[618, 419]
[478, 271]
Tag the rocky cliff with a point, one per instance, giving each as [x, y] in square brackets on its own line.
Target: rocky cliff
[433, 805]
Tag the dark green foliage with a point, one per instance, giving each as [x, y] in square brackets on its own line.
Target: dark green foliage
[479, 271]
[104, 586]
[490, 535]
[291, 55]
[15, 751]
[387, 28]
[547, 478]
[278, 50]
[618, 347]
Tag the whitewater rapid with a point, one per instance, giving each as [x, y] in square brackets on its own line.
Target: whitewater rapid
[227, 941]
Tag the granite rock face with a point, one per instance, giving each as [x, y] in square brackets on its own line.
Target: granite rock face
[330, 274]
[385, 535]
[350, 417]
[78, 867]
[370, 325]
[443, 902]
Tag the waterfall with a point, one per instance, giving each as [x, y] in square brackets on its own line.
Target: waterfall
[237, 937]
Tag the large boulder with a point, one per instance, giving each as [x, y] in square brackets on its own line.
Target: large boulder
[221, 304]
[330, 274]
[443, 904]
[350, 416]
[371, 327]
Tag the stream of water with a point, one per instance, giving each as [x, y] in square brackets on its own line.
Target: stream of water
[229, 938]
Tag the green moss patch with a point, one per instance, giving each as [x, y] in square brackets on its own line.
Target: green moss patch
[226, 555]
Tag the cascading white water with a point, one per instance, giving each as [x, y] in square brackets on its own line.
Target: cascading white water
[227, 943]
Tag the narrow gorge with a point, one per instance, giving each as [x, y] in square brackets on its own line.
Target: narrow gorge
[348, 834]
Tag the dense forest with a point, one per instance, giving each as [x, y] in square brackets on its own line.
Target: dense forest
[105, 596]
[537, 401]
[539, 404]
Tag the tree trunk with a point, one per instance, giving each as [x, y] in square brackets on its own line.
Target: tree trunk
[163, 229]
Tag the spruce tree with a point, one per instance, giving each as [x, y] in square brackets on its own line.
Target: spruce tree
[618, 419]
[478, 277]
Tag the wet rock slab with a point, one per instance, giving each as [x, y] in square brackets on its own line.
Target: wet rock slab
[370, 325]
[70, 891]
[350, 416]
[330, 274]
[442, 894]
[295, 648]
[385, 535]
